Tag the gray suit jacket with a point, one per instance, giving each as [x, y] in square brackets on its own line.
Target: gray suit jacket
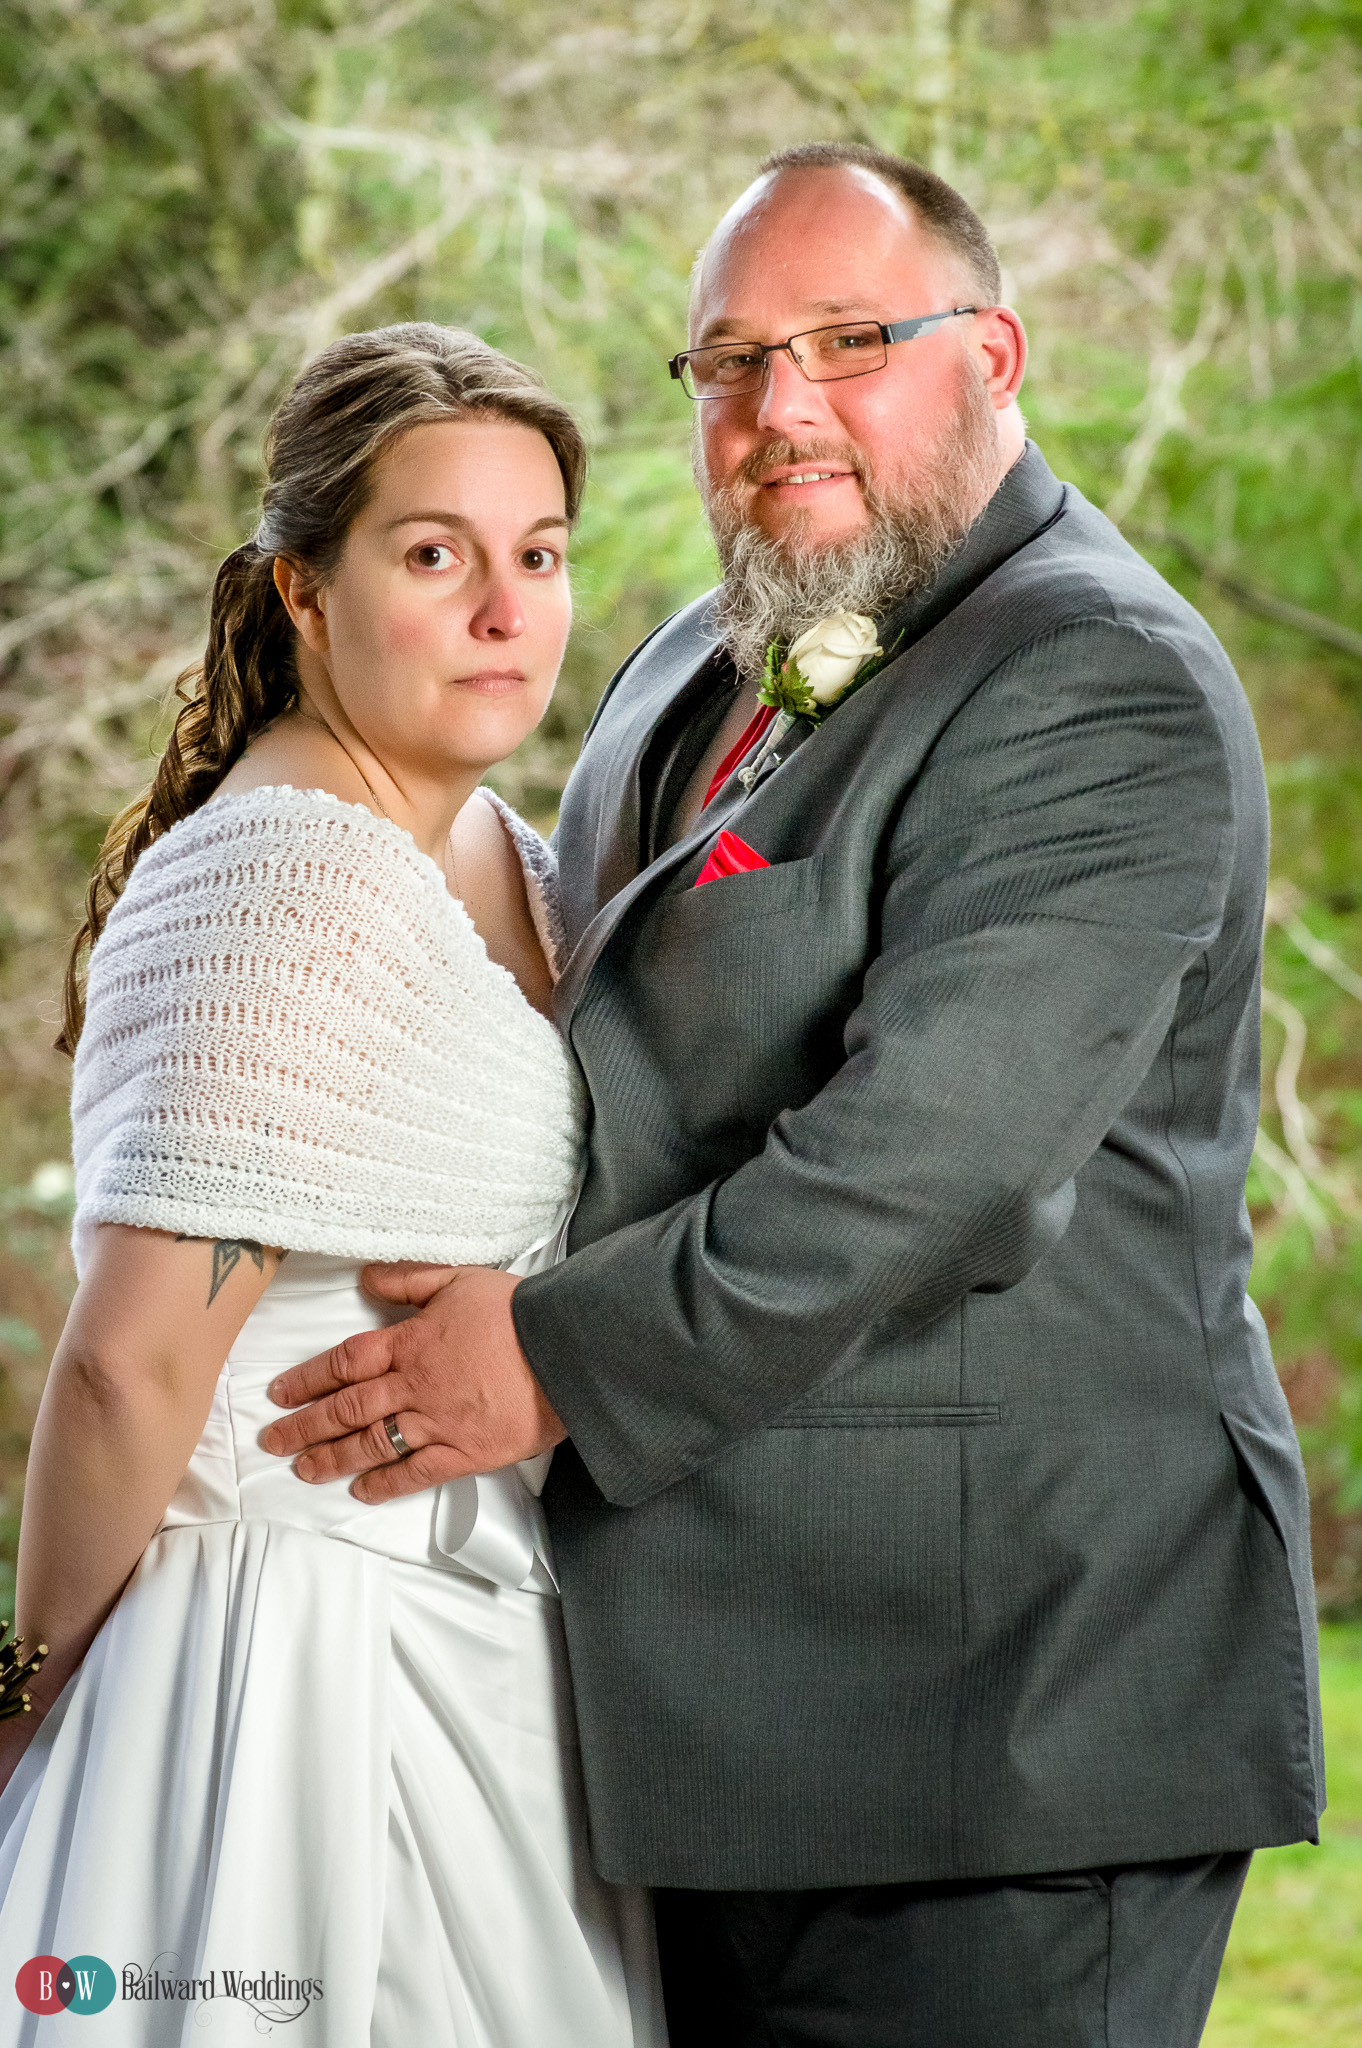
[931, 1507]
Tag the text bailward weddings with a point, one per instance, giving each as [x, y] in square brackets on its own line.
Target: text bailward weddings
[271, 1993]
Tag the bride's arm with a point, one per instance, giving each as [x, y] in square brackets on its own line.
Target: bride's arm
[124, 1405]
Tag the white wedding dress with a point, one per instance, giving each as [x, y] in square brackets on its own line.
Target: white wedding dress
[318, 1775]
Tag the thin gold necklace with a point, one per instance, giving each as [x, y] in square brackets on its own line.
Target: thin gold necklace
[383, 812]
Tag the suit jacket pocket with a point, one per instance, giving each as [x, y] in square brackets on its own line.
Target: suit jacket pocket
[733, 994]
[889, 1415]
[732, 899]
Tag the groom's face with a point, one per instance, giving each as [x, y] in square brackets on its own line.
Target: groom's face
[811, 248]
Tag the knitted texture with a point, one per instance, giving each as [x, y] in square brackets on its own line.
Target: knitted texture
[539, 864]
[295, 1035]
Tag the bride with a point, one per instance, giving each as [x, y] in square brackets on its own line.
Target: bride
[293, 1760]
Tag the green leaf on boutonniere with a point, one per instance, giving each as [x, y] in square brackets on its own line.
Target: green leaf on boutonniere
[786, 688]
[788, 691]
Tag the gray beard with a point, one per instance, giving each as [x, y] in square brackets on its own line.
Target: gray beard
[774, 591]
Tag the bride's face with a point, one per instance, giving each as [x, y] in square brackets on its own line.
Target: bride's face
[447, 616]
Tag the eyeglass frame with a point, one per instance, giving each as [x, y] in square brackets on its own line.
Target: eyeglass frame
[889, 332]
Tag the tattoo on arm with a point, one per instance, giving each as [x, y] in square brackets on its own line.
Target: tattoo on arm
[226, 1258]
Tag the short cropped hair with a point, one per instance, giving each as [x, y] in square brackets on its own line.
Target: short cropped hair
[939, 207]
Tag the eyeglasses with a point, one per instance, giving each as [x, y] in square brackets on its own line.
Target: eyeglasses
[824, 354]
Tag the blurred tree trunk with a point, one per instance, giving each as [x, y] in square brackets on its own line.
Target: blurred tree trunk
[933, 79]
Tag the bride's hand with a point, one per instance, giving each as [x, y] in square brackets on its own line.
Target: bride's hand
[452, 1377]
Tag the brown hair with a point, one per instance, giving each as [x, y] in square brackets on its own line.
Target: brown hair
[943, 213]
[342, 414]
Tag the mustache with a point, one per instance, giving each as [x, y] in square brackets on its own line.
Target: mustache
[757, 466]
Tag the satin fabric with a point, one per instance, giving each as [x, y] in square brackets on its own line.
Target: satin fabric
[490, 1524]
[731, 856]
[321, 1741]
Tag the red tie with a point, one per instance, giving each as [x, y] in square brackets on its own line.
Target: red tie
[739, 751]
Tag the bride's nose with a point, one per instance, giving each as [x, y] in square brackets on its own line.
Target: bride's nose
[499, 613]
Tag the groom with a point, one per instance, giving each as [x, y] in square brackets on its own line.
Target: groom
[931, 1529]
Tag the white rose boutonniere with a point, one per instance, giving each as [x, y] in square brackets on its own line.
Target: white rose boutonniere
[824, 665]
[829, 656]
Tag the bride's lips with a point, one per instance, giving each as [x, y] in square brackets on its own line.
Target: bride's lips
[493, 682]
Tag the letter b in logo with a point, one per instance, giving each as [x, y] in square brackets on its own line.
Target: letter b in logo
[46, 1984]
[36, 1985]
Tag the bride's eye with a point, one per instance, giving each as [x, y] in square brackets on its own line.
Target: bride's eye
[433, 554]
[540, 561]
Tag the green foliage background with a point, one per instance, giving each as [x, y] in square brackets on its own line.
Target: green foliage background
[193, 197]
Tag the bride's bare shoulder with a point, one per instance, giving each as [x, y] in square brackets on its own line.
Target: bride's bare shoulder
[300, 754]
[485, 872]
[480, 839]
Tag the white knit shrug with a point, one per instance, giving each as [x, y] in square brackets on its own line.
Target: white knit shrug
[294, 1035]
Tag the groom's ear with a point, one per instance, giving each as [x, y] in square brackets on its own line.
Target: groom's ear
[1000, 345]
[302, 602]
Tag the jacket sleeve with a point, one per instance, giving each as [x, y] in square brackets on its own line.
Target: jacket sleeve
[1062, 863]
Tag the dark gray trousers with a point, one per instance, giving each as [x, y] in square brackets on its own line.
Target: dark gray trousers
[1120, 1958]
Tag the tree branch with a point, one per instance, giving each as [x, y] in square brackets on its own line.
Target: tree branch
[1260, 602]
[1332, 238]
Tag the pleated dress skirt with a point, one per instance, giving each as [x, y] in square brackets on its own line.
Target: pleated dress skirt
[317, 1779]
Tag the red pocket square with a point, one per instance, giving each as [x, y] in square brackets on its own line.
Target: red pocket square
[731, 856]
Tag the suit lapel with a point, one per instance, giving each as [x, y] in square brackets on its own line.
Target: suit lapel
[601, 829]
[607, 919]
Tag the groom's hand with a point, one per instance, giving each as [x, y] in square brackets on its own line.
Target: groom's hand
[454, 1376]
